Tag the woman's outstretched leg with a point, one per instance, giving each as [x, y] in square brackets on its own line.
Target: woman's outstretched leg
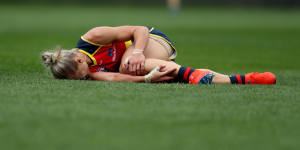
[206, 76]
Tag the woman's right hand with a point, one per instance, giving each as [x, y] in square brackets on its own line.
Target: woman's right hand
[163, 75]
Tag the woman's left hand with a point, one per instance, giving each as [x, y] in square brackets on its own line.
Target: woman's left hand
[136, 64]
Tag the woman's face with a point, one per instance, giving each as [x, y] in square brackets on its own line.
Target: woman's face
[82, 71]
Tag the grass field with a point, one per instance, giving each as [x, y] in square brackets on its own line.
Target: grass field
[38, 112]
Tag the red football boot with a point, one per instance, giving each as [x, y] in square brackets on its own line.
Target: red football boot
[260, 78]
[201, 76]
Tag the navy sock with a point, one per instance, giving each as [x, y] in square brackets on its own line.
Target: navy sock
[237, 79]
[184, 74]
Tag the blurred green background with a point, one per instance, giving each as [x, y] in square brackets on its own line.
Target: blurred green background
[39, 112]
[290, 3]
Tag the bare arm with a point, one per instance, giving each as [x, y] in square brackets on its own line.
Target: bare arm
[114, 77]
[108, 35]
[118, 77]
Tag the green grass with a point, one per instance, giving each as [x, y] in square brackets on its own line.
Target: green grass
[38, 112]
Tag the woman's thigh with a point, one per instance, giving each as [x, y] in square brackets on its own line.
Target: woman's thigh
[155, 50]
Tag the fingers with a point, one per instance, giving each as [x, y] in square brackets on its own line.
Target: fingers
[127, 60]
[125, 68]
[135, 68]
[138, 69]
[165, 78]
[162, 67]
[136, 65]
[132, 68]
[166, 75]
[169, 72]
[142, 68]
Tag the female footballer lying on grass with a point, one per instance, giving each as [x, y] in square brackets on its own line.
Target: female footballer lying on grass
[134, 54]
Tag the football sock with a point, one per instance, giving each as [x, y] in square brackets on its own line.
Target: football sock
[237, 79]
[184, 74]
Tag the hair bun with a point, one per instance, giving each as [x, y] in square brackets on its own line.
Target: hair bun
[51, 58]
[47, 58]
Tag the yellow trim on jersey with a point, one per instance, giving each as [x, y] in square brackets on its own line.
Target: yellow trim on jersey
[170, 59]
[91, 56]
[151, 29]
[169, 44]
[89, 41]
[128, 43]
[97, 50]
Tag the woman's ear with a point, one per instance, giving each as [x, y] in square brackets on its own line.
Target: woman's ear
[78, 60]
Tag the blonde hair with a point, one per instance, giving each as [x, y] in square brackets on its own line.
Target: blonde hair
[61, 62]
